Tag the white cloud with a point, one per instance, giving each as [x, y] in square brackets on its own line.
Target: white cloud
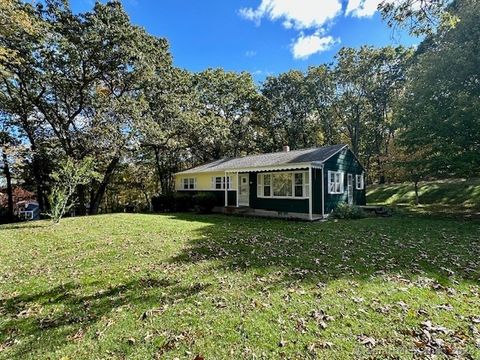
[305, 46]
[362, 8]
[300, 14]
[250, 53]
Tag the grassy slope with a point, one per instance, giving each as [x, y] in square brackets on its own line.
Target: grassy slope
[448, 192]
[152, 286]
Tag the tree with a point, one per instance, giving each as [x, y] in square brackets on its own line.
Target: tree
[5, 142]
[387, 75]
[228, 102]
[321, 88]
[17, 21]
[66, 179]
[351, 104]
[85, 85]
[20, 84]
[367, 82]
[440, 112]
[290, 121]
[170, 124]
[420, 17]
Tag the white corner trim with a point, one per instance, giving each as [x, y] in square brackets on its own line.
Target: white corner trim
[310, 200]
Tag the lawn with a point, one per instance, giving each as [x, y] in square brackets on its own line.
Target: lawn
[451, 197]
[188, 286]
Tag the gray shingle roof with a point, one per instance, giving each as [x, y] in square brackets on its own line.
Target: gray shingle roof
[271, 159]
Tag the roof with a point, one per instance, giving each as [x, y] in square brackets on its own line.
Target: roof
[292, 157]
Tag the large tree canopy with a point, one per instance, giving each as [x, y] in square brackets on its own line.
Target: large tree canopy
[94, 86]
[419, 17]
[440, 112]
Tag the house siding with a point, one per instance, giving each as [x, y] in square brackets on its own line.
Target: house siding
[204, 180]
[317, 191]
[282, 205]
[343, 161]
[219, 196]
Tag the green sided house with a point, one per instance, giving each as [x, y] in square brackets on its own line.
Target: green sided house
[307, 183]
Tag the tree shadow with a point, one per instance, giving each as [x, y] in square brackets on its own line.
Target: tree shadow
[22, 225]
[23, 315]
[442, 249]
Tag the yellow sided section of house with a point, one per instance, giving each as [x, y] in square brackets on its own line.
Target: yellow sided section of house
[205, 181]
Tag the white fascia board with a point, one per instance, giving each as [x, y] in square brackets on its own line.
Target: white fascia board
[292, 166]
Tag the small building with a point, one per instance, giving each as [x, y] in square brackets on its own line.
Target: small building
[306, 183]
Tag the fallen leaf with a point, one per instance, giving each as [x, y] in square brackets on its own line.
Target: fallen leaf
[368, 341]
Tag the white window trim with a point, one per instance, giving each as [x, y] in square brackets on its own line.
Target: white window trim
[305, 185]
[213, 182]
[359, 182]
[189, 181]
[329, 182]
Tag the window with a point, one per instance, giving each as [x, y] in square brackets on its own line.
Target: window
[189, 184]
[218, 182]
[283, 185]
[359, 182]
[335, 182]
[267, 185]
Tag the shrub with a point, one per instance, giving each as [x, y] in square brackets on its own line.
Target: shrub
[205, 202]
[163, 203]
[346, 211]
[68, 176]
[183, 201]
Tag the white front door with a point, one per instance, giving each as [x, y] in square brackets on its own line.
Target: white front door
[243, 190]
[350, 188]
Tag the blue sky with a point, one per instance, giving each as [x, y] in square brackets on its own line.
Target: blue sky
[263, 37]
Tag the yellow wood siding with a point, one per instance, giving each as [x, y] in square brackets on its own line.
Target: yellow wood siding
[204, 180]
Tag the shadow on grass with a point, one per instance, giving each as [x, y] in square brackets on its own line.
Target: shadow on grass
[280, 252]
[23, 225]
[437, 211]
[24, 315]
[322, 252]
[454, 192]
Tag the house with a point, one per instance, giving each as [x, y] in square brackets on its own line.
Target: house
[307, 183]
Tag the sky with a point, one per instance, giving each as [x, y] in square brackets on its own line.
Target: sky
[263, 37]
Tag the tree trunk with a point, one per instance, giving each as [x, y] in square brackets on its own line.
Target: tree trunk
[8, 176]
[417, 199]
[381, 172]
[36, 167]
[81, 209]
[38, 180]
[107, 177]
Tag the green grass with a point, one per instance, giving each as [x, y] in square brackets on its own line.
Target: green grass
[444, 197]
[153, 286]
[453, 191]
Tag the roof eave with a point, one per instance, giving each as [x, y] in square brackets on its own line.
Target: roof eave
[287, 166]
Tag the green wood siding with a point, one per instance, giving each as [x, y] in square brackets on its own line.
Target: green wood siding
[284, 205]
[343, 161]
[317, 191]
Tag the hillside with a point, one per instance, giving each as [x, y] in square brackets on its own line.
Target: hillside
[452, 194]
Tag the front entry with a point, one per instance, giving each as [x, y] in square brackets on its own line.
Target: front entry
[350, 188]
[243, 190]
